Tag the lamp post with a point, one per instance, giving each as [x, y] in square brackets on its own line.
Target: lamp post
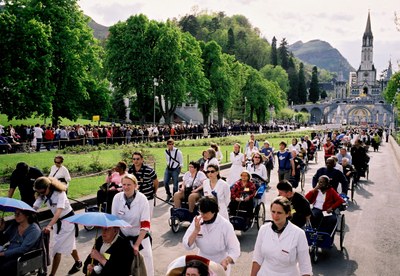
[244, 114]
[155, 84]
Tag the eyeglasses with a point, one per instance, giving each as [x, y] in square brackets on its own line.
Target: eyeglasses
[17, 214]
[41, 192]
[135, 159]
[210, 171]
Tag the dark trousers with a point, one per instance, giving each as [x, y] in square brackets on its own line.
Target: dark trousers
[323, 224]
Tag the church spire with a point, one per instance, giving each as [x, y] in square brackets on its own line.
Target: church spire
[368, 37]
[389, 71]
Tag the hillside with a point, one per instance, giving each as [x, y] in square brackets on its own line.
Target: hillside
[323, 55]
[99, 31]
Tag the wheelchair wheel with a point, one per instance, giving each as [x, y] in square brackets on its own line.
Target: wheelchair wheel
[260, 215]
[342, 231]
[175, 224]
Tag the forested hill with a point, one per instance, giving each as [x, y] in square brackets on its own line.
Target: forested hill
[234, 34]
[99, 31]
[323, 55]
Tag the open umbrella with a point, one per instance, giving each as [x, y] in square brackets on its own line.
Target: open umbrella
[10, 205]
[97, 219]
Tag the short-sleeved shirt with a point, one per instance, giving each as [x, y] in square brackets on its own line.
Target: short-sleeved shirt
[284, 160]
[25, 184]
[145, 176]
[300, 209]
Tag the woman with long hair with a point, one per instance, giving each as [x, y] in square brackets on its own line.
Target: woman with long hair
[211, 159]
[52, 193]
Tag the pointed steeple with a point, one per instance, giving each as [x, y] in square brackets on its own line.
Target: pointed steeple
[368, 37]
[389, 71]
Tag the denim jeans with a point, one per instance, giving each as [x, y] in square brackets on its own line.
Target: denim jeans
[174, 174]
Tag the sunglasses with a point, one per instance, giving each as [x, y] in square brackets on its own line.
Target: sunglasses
[42, 192]
[258, 157]
[210, 171]
[57, 162]
[135, 159]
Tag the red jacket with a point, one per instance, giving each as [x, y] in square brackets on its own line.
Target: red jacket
[332, 198]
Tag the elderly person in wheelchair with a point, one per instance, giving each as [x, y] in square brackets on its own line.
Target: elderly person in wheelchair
[22, 236]
[324, 200]
[242, 195]
[111, 253]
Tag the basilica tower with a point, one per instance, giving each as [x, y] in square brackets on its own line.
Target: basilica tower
[366, 82]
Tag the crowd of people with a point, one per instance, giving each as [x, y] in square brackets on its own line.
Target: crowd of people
[129, 191]
[34, 138]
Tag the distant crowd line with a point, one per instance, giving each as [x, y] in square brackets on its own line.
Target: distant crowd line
[32, 138]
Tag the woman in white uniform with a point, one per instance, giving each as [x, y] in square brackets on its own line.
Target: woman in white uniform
[211, 159]
[213, 235]
[237, 159]
[281, 248]
[257, 167]
[52, 193]
[59, 171]
[218, 188]
[133, 207]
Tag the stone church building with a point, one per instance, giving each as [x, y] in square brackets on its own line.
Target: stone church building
[360, 100]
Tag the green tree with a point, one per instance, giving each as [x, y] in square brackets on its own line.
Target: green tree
[217, 69]
[274, 52]
[71, 63]
[324, 95]
[189, 23]
[129, 61]
[261, 94]
[277, 74]
[314, 86]
[140, 51]
[76, 56]
[283, 54]
[25, 59]
[293, 95]
[391, 92]
[302, 90]
[230, 47]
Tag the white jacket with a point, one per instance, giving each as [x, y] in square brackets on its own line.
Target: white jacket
[286, 255]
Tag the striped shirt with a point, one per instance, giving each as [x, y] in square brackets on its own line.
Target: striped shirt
[145, 176]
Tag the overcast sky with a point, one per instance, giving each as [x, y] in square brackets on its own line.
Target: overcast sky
[340, 23]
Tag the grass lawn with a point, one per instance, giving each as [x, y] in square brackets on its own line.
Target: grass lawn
[81, 186]
[33, 121]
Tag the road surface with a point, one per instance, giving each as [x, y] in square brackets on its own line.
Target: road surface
[372, 241]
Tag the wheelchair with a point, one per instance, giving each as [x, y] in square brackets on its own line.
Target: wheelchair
[239, 221]
[322, 240]
[35, 261]
[181, 215]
